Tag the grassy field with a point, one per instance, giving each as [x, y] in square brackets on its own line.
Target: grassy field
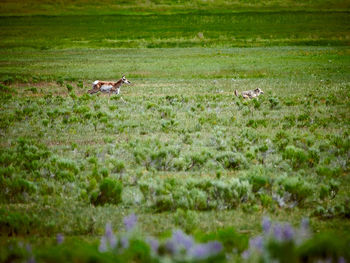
[245, 29]
[146, 7]
[182, 151]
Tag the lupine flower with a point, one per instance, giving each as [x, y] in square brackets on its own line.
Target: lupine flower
[266, 225]
[153, 243]
[171, 246]
[257, 243]
[199, 252]
[130, 222]
[278, 232]
[124, 242]
[59, 238]
[103, 244]
[108, 230]
[203, 251]
[110, 237]
[246, 254]
[178, 242]
[182, 239]
[287, 232]
[341, 260]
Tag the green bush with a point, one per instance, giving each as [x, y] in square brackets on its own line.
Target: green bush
[69, 88]
[15, 223]
[4, 88]
[195, 194]
[232, 160]
[299, 189]
[328, 171]
[16, 189]
[63, 169]
[259, 181]
[110, 192]
[297, 157]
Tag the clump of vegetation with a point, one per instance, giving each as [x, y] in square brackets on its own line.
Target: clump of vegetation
[232, 160]
[196, 194]
[298, 188]
[109, 192]
[300, 158]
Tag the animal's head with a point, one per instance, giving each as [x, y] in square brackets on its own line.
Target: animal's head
[124, 80]
[258, 91]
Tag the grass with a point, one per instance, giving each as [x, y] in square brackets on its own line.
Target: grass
[183, 151]
[48, 7]
[245, 29]
[181, 128]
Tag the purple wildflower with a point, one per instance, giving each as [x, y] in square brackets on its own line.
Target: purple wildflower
[341, 260]
[278, 232]
[130, 222]
[110, 237]
[257, 243]
[182, 239]
[246, 254]
[266, 225]
[199, 252]
[305, 224]
[178, 242]
[108, 230]
[124, 242]
[153, 243]
[287, 232]
[171, 246]
[103, 244]
[203, 251]
[59, 238]
[214, 247]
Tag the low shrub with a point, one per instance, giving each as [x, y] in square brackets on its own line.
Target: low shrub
[110, 192]
[195, 194]
[298, 188]
[297, 156]
[232, 160]
[16, 223]
[328, 171]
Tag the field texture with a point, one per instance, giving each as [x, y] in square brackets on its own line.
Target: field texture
[177, 147]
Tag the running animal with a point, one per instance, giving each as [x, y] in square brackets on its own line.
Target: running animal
[108, 86]
[249, 94]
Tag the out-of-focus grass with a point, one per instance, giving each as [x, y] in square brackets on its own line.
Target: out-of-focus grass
[163, 66]
[185, 30]
[64, 7]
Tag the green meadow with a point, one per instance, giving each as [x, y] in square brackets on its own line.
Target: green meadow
[176, 147]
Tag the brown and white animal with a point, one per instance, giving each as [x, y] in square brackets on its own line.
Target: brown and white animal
[249, 94]
[108, 86]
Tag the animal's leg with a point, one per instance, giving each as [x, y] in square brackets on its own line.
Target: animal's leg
[94, 89]
[122, 99]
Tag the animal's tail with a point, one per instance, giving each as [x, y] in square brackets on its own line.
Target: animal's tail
[236, 93]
